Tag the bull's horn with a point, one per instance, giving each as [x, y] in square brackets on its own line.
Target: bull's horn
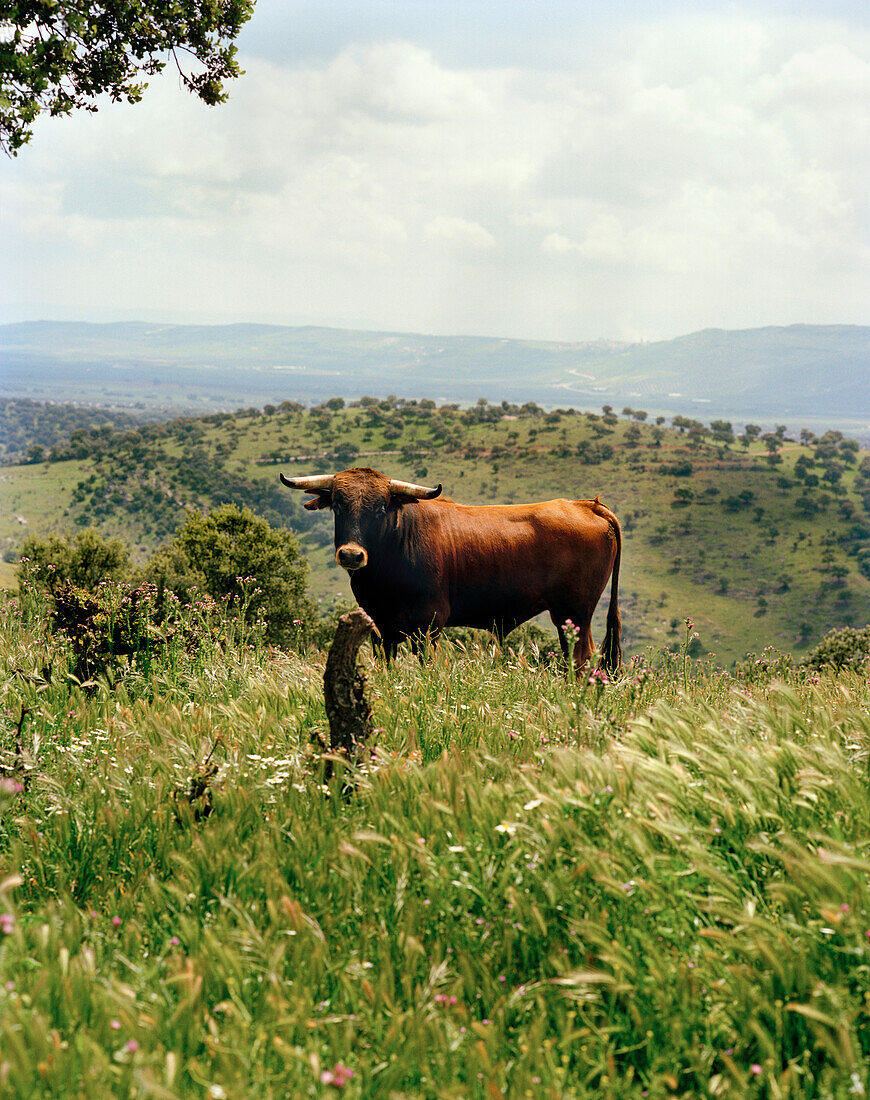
[418, 491]
[317, 483]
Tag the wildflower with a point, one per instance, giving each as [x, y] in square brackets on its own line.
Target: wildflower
[7, 923]
[115, 1025]
[338, 1076]
[117, 922]
[755, 1068]
[175, 941]
[131, 1046]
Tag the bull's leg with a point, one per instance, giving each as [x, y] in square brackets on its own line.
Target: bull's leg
[421, 640]
[385, 644]
[575, 638]
[583, 649]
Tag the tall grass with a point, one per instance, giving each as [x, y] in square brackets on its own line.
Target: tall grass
[651, 887]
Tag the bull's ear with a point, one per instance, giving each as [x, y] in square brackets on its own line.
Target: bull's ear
[322, 500]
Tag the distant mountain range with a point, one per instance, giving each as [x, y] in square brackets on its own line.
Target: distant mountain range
[799, 375]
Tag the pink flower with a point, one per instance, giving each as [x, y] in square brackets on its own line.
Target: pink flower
[755, 1068]
[117, 922]
[131, 1046]
[338, 1076]
[115, 1025]
[7, 923]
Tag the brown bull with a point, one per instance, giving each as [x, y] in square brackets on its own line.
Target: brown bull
[419, 562]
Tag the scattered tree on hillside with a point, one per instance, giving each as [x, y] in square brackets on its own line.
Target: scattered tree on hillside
[773, 442]
[59, 57]
[849, 451]
[722, 431]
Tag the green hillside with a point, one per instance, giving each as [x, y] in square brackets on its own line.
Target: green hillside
[758, 550]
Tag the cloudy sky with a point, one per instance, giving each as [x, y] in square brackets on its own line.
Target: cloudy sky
[555, 169]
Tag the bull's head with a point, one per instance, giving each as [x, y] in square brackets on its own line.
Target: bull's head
[366, 505]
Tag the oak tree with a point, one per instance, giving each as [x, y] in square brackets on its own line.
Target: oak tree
[57, 56]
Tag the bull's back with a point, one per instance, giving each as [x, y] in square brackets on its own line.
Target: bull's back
[511, 562]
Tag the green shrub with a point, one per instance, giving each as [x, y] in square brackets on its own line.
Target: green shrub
[842, 649]
[681, 468]
[83, 560]
[240, 561]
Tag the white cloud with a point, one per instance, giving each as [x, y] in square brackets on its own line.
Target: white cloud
[713, 173]
[460, 232]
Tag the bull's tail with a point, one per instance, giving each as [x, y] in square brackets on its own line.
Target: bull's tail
[611, 649]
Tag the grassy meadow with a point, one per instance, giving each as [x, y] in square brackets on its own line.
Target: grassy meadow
[543, 888]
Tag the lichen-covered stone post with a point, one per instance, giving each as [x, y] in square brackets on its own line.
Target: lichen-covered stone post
[347, 708]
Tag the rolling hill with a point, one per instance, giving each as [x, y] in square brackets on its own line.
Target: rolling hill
[758, 547]
[804, 375]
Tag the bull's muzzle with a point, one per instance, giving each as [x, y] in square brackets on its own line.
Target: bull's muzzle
[351, 557]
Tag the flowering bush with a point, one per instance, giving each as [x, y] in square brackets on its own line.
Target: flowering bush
[761, 668]
[118, 625]
[115, 621]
